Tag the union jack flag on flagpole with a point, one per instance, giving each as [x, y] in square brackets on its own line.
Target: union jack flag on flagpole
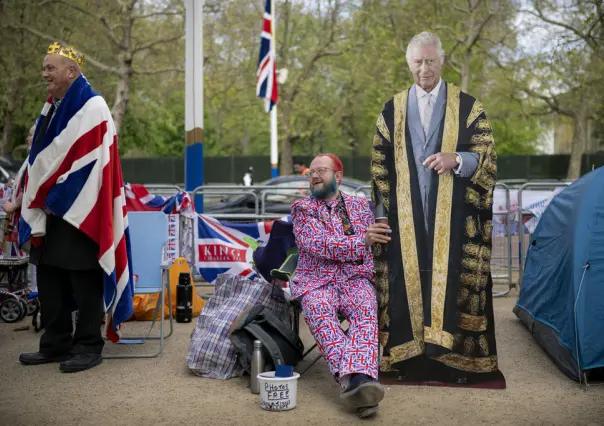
[266, 77]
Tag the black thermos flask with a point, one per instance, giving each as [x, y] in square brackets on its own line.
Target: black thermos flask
[184, 298]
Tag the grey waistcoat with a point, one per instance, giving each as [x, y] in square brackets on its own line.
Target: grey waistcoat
[424, 146]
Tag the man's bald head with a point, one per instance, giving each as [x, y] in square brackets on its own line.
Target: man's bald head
[59, 73]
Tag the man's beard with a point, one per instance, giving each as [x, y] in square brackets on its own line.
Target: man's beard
[328, 189]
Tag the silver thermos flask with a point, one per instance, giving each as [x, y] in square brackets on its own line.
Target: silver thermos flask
[257, 366]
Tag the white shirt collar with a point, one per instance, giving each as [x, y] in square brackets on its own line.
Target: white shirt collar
[434, 92]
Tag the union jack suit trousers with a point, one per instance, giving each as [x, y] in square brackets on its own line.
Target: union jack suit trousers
[353, 351]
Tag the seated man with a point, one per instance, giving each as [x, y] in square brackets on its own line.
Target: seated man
[334, 233]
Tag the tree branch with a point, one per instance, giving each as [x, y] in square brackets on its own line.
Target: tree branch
[550, 101]
[152, 14]
[153, 43]
[454, 66]
[473, 38]
[539, 14]
[111, 33]
[596, 22]
[459, 9]
[159, 71]
[102, 19]
[96, 63]
[450, 30]
[73, 6]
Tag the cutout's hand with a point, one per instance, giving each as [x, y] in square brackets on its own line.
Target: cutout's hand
[441, 162]
[377, 233]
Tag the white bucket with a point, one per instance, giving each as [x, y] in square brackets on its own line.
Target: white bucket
[278, 393]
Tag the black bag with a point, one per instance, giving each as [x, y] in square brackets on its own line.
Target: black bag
[280, 345]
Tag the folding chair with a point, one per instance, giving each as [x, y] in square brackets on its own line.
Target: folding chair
[148, 238]
[286, 273]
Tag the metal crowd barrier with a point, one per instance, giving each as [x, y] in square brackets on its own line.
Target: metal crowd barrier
[259, 201]
[501, 260]
[521, 213]
[507, 259]
[366, 190]
[506, 256]
[163, 189]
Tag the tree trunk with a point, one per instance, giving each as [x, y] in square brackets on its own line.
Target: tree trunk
[580, 122]
[122, 96]
[14, 101]
[286, 164]
[465, 72]
[7, 132]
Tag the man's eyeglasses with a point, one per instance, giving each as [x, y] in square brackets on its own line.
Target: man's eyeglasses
[321, 171]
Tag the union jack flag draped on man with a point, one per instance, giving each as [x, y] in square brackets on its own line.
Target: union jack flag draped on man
[266, 78]
[74, 172]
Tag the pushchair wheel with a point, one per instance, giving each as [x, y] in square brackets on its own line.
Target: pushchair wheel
[33, 306]
[11, 310]
[24, 310]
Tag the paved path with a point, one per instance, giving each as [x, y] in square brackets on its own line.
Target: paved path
[162, 391]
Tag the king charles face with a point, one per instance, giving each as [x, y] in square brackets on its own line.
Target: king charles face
[425, 66]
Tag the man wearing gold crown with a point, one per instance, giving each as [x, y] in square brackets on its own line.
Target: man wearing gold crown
[73, 218]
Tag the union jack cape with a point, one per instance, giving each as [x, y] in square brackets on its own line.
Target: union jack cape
[74, 171]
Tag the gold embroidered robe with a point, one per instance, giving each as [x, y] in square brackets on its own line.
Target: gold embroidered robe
[434, 286]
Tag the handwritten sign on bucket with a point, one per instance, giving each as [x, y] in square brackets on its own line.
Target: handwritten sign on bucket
[277, 397]
[278, 393]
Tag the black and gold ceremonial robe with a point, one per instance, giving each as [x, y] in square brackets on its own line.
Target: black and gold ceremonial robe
[434, 285]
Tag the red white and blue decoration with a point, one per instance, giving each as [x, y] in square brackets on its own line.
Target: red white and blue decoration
[138, 198]
[266, 77]
[74, 172]
[227, 248]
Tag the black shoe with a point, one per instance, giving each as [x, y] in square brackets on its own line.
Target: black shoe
[364, 412]
[363, 391]
[37, 358]
[80, 362]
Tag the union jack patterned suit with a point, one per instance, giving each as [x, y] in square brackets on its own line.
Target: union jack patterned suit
[335, 274]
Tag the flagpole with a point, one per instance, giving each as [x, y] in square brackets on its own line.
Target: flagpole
[274, 144]
[194, 99]
[274, 135]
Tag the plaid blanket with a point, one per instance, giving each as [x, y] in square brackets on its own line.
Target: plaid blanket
[211, 353]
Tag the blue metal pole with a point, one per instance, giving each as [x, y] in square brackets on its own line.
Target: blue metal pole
[194, 166]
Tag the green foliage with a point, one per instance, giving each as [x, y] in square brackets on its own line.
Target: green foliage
[345, 60]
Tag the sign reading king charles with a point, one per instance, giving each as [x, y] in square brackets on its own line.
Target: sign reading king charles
[226, 248]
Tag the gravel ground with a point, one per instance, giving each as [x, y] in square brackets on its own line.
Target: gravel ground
[162, 391]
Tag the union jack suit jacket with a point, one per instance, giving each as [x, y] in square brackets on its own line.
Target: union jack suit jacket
[326, 254]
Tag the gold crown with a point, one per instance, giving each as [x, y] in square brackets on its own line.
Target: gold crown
[69, 52]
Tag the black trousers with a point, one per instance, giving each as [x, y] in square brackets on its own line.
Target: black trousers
[61, 291]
